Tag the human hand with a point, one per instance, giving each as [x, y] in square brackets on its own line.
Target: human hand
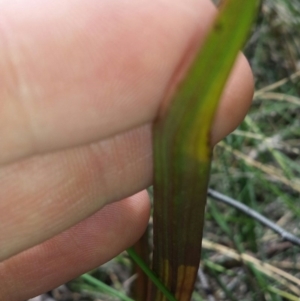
[80, 85]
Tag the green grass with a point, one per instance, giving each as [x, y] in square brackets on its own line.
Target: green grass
[258, 164]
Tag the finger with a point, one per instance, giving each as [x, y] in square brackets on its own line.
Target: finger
[43, 196]
[73, 72]
[76, 251]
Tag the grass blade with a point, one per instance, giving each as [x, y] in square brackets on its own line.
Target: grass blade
[104, 287]
[151, 275]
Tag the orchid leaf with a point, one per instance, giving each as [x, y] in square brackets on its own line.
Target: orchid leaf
[182, 152]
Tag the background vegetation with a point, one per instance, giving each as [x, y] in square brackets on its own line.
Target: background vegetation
[259, 165]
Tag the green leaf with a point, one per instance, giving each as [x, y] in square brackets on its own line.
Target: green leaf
[104, 287]
[182, 152]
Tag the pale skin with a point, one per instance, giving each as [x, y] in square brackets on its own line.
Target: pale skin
[81, 83]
